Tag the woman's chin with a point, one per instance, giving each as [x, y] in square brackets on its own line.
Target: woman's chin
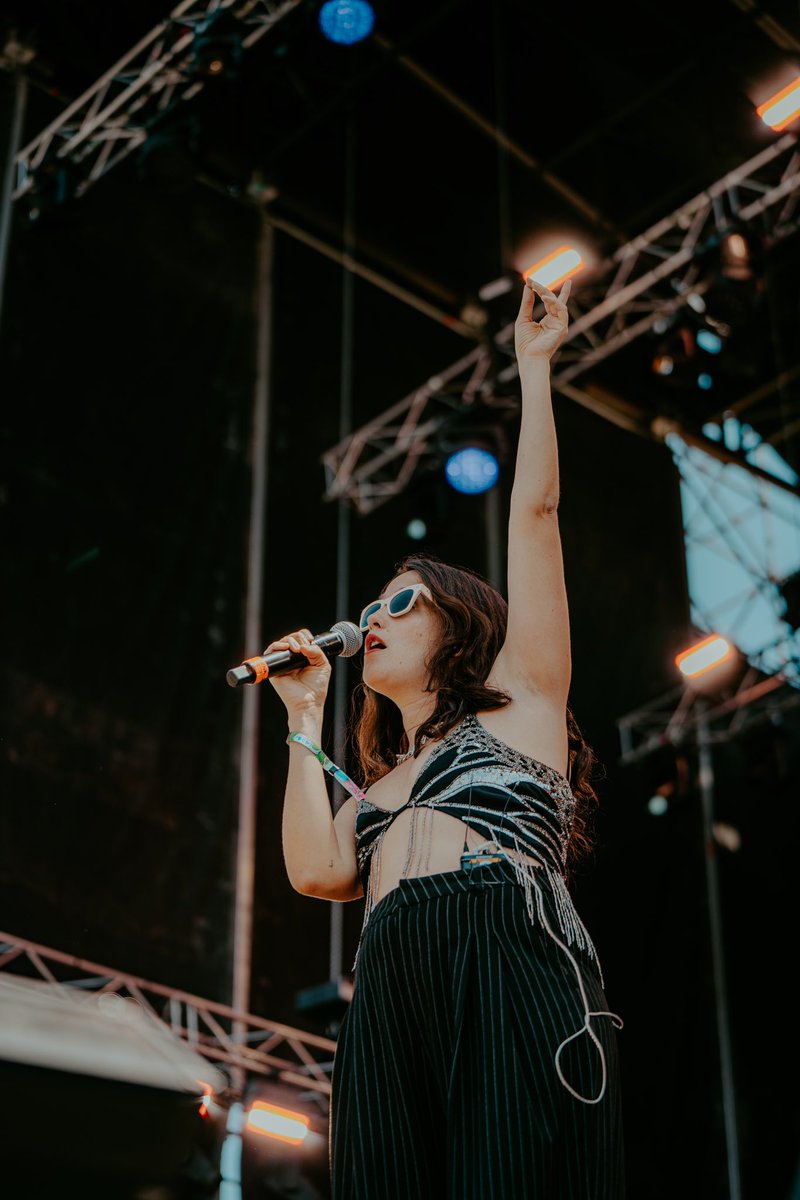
[378, 676]
[372, 672]
[382, 679]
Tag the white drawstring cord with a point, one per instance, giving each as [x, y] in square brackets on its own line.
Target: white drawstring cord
[588, 1014]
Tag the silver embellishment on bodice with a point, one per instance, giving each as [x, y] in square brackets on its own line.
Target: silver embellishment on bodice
[535, 823]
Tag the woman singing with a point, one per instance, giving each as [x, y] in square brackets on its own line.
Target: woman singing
[477, 1059]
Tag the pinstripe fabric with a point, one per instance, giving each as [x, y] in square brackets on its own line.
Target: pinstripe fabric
[444, 1085]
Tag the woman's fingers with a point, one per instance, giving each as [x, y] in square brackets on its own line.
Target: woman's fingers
[550, 300]
[296, 642]
[312, 652]
[540, 339]
[553, 303]
[526, 304]
[305, 644]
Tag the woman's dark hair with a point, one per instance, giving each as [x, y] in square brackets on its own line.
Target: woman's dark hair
[473, 617]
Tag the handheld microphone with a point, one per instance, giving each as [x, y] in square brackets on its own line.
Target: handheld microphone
[343, 639]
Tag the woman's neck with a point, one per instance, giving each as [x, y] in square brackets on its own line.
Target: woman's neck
[415, 714]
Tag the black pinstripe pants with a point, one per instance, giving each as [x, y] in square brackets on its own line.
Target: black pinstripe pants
[444, 1085]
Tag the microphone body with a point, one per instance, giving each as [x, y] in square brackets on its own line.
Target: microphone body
[343, 639]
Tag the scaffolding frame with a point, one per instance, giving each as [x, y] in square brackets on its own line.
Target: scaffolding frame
[115, 115]
[683, 715]
[239, 1042]
[672, 718]
[646, 280]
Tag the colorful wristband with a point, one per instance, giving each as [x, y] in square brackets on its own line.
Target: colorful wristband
[327, 765]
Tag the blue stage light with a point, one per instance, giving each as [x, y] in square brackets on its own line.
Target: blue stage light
[705, 381]
[708, 341]
[472, 470]
[346, 21]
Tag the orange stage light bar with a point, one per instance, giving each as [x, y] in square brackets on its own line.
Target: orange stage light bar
[782, 108]
[702, 657]
[282, 1124]
[557, 267]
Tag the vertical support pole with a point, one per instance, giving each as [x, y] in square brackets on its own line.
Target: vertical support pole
[706, 780]
[6, 202]
[494, 543]
[336, 959]
[248, 754]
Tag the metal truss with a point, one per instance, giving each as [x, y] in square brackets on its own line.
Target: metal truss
[640, 283]
[676, 717]
[687, 716]
[291, 1056]
[115, 115]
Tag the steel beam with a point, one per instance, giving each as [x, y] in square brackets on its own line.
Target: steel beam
[648, 279]
[222, 1034]
[114, 116]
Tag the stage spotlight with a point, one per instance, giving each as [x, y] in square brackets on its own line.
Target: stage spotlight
[657, 805]
[556, 268]
[663, 364]
[782, 108]
[472, 470]
[216, 54]
[735, 257]
[708, 341]
[282, 1124]
[346, 21]
[416, 529]
[704, 656]
[704, 381]
[712, 667]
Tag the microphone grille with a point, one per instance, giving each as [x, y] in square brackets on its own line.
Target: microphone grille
[351, 635]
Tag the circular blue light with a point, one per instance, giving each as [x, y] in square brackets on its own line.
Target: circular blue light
[708, 341]
[346, 21]
[472, 470]
[705, 381]
[657, 805]
[416, 529]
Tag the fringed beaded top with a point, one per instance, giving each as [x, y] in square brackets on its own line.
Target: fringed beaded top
[515, 802]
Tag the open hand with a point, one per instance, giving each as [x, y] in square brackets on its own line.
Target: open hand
[541, 339]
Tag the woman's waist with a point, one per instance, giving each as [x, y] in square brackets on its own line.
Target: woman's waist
[428, 841]
[454, 855]
[476, 873]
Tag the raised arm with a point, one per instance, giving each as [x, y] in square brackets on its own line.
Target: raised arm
[536, 654]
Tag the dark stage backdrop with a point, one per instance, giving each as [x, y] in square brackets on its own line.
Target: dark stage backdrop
[127, 371]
